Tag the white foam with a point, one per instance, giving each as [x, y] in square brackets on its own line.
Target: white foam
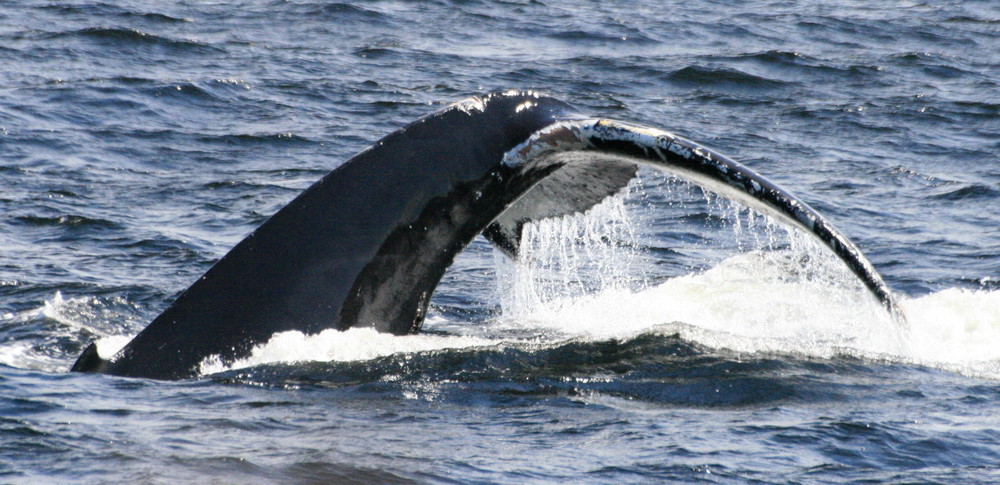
[955, 327]
[23, 355]
[332, 346]
[745, 304]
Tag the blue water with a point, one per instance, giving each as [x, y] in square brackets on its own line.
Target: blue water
[139, 141]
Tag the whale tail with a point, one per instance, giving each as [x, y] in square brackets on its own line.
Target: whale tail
[367, 244]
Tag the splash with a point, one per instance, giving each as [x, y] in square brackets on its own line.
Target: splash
[778, 290]
[569, 257]
[956, 329]
[796, 300]
[47, 329]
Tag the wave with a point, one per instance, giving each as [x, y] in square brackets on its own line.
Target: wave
[934, 64]
[971, 20]
[107, 10]
[621, 34]
[135, 37]
[701, 76]
[66, 220]
[793, 62]
[256, 138]
[967, 192]
[341, 12]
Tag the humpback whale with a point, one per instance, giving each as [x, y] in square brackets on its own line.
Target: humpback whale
[367, 244]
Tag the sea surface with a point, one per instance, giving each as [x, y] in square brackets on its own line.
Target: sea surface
[667, 335]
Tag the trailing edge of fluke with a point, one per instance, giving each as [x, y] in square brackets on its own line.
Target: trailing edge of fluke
[367, 244]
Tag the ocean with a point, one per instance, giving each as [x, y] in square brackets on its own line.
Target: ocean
[666, 335]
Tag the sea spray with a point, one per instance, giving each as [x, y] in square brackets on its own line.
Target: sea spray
[569, 257]
[754, 285]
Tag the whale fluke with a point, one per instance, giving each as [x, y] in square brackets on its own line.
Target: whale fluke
[367, 244]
